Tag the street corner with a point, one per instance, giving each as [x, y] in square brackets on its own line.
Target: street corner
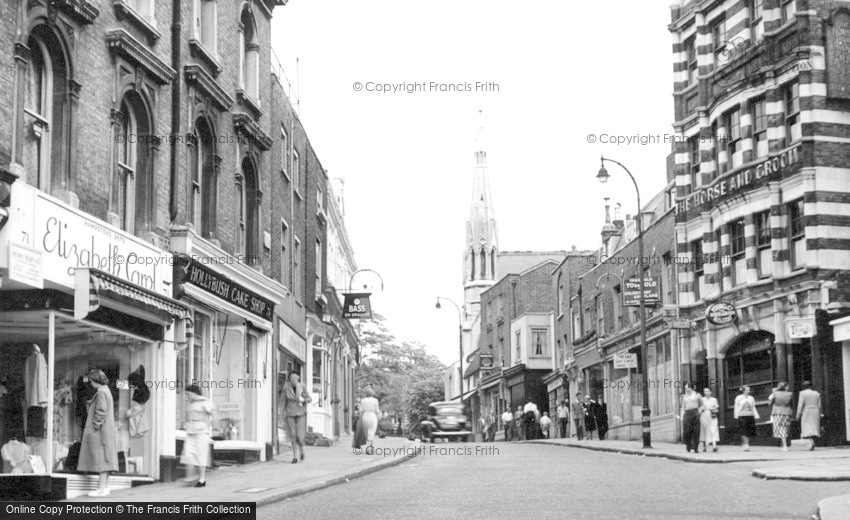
[811, 473]
[835, 508]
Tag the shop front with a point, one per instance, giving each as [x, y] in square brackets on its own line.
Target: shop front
[841, 335]
[78, 295]
[291, 356]
[232, 356]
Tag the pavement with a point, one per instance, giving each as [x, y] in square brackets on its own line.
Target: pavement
[275, 480]
[822, 464]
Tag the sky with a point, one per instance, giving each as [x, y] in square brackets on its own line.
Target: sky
[548, 73]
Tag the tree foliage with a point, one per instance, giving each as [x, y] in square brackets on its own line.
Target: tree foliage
[404, 376]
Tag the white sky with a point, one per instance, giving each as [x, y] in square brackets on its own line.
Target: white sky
[564, 69]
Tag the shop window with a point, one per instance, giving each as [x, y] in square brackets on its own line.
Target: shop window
[45, 111]
[791, 99]
[540, 342]
[191, 364]
[797, 233]
[249, 55]
[738, 248]
[204, 175]
[751, 361]
[764, 255]
[733, 144]
[760, 146]
[318, 379]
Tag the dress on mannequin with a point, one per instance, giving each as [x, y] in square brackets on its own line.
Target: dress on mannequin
[35, 378]
[15, 454]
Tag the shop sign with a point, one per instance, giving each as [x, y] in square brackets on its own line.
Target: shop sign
[26, 265]
[651, 293]
[69, 238]
[841, 329]
[486, 360]
[838, 55]
[797, 328]
[292, 342]
[357, 306]
[230, 407]
[219, 285]
[720, 313]
[680, 324]
[738, 181]
[624, 360]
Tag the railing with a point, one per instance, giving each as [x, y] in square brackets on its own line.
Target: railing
[288, 90]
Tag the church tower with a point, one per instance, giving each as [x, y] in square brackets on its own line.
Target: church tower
[480, 257]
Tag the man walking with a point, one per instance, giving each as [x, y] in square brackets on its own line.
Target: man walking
[563, 418]
[518, 429]
[490, 427]
[578, 416]
[507, 423]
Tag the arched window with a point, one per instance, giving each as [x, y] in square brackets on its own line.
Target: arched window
[248, 217]
[483, 272]
[493, 263]
[45, 152]
[249, 55]
[131, 201]
[472, 264]
[204, 175]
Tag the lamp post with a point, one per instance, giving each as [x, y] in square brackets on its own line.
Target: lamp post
[459, 342]
[645, 422]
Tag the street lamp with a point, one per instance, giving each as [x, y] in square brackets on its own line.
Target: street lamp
[645, 422]
[459, 344]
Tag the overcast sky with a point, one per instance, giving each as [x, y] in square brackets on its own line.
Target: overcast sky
[564, 70]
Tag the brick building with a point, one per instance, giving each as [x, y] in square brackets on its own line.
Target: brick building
[762, 112]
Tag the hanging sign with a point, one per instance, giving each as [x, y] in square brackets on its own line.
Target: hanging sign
[720, 313]
[486, 360]
[357, 306]
[651, 293]
[797, 328]
[624, 360]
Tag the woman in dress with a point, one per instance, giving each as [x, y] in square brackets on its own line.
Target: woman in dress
[98, 451]
[709, 431]
[746, 414]
[369, 412]
[809, 413]
[196, 447]
[295, 399]
[780, 412]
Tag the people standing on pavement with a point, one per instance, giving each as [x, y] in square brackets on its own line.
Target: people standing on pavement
[809, 413]
[709, 431]
[563, 418]
[519, 429]
[98, 453]
[545, 423]
[295, 399]
[491, 427]
[507, 422]
[601, 417]
[578, 416]
[691, 407]
[196, 447]
[531, 416]
[370, 410]
[746, 414]
[780, 412]
[359, 431]
[589, 416]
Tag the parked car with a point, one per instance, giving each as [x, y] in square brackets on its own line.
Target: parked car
[445, 420]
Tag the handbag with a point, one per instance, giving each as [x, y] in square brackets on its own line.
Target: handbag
[714, 413]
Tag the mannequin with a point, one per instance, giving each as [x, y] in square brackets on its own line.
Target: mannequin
[35, 378]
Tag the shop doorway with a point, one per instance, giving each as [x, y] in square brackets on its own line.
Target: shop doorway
[751, 360]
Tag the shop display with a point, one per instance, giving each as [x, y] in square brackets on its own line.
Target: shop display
[35, 382]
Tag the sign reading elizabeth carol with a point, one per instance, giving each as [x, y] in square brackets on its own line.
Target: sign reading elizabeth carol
[720, 313]
[357, 306]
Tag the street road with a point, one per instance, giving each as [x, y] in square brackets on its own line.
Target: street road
[539, 481]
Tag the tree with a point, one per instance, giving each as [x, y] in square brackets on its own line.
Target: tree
[402, 373]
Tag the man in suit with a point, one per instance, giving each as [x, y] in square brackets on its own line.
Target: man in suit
[296, 397]
[578, 416]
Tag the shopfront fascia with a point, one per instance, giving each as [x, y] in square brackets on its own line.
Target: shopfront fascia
[233, 356]
[77, 294]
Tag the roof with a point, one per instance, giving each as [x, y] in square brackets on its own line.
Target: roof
[474, 366]
[517, 262]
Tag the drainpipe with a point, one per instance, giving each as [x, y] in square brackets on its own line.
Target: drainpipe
[176, 36]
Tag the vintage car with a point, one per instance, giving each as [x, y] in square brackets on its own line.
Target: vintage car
[445, 420]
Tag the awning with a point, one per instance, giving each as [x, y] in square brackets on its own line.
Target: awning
[95, 289]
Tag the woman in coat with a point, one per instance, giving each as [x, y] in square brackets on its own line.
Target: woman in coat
[780, 412]
[98, 452]
[601, 417]
[295, 399]
[370, 411]
[809, 413]
[196, 448]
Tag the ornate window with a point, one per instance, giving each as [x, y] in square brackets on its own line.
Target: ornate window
[132, 190]
[204, 175]
[249, 56]
[249, 230]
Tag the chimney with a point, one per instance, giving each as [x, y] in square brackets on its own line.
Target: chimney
[608, 229]
[607, 211]
[618, 221]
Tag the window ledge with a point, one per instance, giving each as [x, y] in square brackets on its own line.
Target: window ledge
[249, 102]
[320, 214]
[81, 11]
[285, 175]
[199, 51]
[298, 194]
[124, 11]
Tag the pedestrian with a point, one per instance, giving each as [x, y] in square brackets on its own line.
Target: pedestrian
[709, 431]
[563, 419]
[746, 414]
[295, 399]
[370, 411]
[359, 431]
[589, 417]
[809, 413]
[491, 427]
[780, 412]
[519, 429]
[196, 447]
[532, 415]
[691, 406]
[578, 416]
[601, 417]
[507, 423]
[545, 423]
[98, 453]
